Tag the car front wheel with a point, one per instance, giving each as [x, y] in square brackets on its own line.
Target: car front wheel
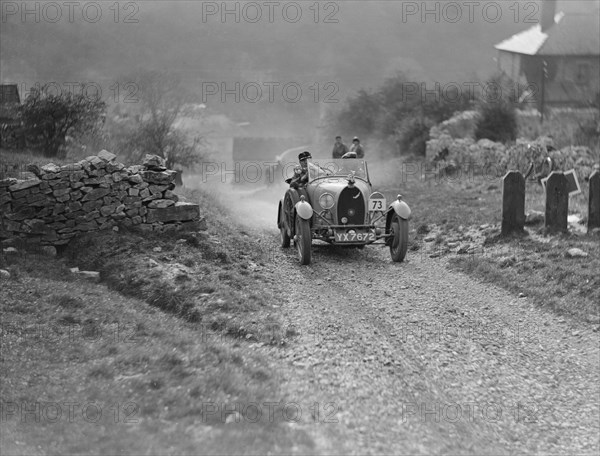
[303, 240]
[285, 238]
[399, 244]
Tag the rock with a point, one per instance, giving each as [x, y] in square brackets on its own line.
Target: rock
[576, 253]
[10, 250]
[593, 318]
[177, 213]
[48, 250]
[534, 218]
[154, 163]
[24, 185]
[51, 168]
[35, 169]
[429, 239]
[423, 229]
[106, 155]
[4, 274]
[159, 177]
[93, 276]
[95, 194]
[161, 204]
[464, 249]
[506, 262]
[522, 295]
[152, 263]
[7, 182]
[135, 178]
[157, 249]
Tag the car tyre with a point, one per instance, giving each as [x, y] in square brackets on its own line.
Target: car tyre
[285, 238]
[303, 240]
[399, 244]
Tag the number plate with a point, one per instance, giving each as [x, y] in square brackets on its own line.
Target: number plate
[377, 204]
[355, 237]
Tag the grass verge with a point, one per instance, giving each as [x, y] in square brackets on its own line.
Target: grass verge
[536, 265]
[92, 368]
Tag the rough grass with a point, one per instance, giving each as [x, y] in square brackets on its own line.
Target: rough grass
[538, 268]
[150, 374]
[170, 333]
[535, 265]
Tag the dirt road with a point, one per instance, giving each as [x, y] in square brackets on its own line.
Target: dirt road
[413, 358]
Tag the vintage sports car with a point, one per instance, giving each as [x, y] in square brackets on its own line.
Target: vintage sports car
[337, 205]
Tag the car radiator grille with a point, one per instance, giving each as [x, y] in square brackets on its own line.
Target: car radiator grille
[351, 204]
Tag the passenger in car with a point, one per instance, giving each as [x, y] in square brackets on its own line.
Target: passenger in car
[356, 150]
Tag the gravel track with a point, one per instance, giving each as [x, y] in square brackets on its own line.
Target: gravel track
[412, 358]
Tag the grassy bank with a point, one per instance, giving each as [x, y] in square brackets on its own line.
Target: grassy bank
[147, 360]
[536, 265]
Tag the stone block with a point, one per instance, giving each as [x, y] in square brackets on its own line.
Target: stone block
[160, 204]
[62, 191]
[24, 185]
[179, 212]
[106, 156]
[159, 177]
[154, 162]
[96, 194]
[92, 205]
[135, 179]
[51, 168]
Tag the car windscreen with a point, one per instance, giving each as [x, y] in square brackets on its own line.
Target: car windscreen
[337, 168]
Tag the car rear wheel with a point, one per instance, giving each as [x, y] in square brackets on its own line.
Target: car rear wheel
[303, 240]
[285, 238]
[399, 232]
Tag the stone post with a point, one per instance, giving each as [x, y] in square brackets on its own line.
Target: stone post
[594, 201]
[557, 202]
[513, 202]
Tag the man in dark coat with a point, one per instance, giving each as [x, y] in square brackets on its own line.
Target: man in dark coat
[339, 148]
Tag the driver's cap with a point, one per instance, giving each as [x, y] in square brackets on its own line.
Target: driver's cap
[304, 155]
[356, 139]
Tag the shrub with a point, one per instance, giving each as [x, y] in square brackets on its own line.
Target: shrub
[50, 120]
[498, 122]
[413, 135]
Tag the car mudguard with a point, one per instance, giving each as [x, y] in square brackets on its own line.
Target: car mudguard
[401, 208]
[396, 207]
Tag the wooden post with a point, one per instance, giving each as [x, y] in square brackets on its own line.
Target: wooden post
[513, 202]
[594, 202]
[557, 202]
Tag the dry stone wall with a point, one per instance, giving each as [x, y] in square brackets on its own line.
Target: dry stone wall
[96, 193]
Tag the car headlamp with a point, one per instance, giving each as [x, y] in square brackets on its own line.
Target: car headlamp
[326, 201]
[344, 220]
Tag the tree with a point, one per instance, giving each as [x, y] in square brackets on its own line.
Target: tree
[49, 119]
[153, 129]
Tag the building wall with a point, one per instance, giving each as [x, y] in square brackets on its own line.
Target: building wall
[571, 80]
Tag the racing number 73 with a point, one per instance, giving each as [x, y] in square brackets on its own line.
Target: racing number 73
[377, 204]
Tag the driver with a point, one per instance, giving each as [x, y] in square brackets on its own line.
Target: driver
[300, 179]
